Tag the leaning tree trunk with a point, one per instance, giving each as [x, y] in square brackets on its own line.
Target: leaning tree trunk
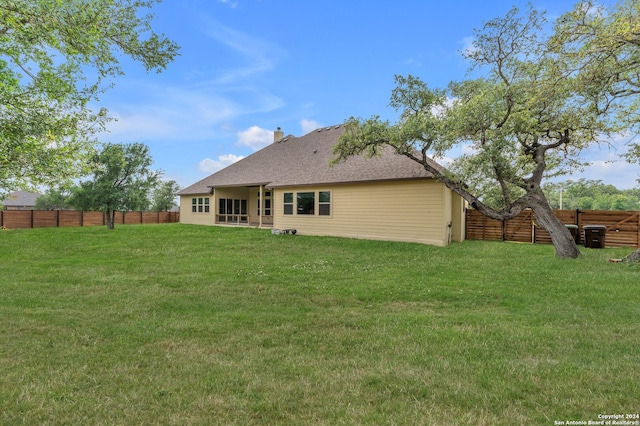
[633, 257]
[561, 237]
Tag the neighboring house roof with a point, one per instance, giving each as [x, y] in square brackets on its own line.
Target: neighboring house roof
[21, 199]
[305, 160]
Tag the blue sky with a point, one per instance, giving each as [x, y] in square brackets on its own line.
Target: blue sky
[250, 66]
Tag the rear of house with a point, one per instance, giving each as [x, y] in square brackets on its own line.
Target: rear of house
[291, 184]
[20, 200]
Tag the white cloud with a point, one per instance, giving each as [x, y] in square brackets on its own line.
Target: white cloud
[309, 125]
[167, 113]
[185, 113]
[618, 173]
[211, 166]
[232, 4]
[468, 48]
[259, 56]
[255, 137]
[169, 110]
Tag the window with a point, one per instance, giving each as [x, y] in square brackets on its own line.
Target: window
[222, 209]
[267, 203]
[288, 203]
[200, 205]
[232, 211]
[306, 202]
[324, 203]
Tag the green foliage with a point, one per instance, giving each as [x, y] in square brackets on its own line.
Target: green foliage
[542, 99]
[604, 46]
[54, 199]
[586, 194]
[180, 324]
[122, 181]
[55, 58]
[164, 196]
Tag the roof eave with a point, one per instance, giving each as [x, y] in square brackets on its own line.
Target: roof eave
[346, 182]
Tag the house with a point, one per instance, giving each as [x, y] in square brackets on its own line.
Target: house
[20, 200]
[291, 184]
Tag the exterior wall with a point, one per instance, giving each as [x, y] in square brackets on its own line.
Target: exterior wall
[458, 217]
[245, 193]
[187, 216]
[412, 211]
[18, 207]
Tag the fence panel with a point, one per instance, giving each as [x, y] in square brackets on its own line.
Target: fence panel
[70, 218]
[93, 219]
[623, 227]
[480, 227]
[13, 219]
[519, 228]
[45, 219]
[17, 219]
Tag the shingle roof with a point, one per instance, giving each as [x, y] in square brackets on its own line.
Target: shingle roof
[21, 199]
[305, 160]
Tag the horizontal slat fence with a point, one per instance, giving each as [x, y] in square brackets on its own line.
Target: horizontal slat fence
[13, 219]
[623, 227]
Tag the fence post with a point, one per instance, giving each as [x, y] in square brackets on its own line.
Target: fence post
[579, 223]
[31, 218]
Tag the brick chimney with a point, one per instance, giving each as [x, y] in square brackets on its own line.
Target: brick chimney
[277, 135]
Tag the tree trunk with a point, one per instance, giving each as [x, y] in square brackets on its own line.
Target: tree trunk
[561, 237]
[633, 257]
[111, 217]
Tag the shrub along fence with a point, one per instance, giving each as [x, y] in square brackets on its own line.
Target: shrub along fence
[62, 218]
[622, 227]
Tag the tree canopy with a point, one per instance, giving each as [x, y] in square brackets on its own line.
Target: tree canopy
[163, 197]
[525, 118]
[54, 199]
[122, 181]
[589, 194]
[56, 57]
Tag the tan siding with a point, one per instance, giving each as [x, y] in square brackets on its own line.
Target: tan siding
[187, 216]
[411, 211]
[458, 218]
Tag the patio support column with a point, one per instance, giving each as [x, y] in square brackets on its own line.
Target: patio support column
[261, 209]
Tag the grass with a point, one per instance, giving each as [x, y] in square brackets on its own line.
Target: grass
[178, 324]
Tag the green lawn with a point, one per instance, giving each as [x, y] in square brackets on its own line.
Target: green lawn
[176, 325]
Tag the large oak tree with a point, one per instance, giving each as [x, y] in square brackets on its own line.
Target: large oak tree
[526, 116]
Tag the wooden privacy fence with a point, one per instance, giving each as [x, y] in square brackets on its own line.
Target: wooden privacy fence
[62, 218]
[622, 227]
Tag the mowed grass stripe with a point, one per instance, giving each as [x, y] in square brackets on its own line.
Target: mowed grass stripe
[179, 324]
